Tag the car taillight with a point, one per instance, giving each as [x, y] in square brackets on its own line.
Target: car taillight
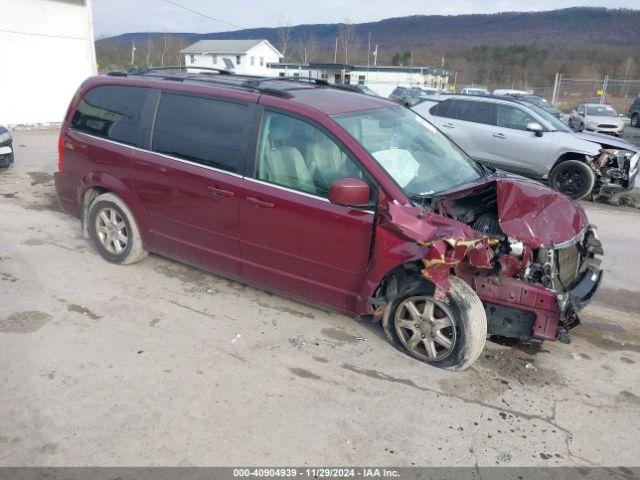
[60, 151]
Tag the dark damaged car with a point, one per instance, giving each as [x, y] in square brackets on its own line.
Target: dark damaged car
[346, 201]
[6, 147]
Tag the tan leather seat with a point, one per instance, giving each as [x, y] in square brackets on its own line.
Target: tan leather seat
[326, 161]
[282, 164]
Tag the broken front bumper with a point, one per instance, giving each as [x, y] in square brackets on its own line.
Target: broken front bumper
[621, 179]
[516, 308]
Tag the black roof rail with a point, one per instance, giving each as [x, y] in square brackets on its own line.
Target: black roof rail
[145, 71]
[252, 84]
[255, 83]
[221, 71]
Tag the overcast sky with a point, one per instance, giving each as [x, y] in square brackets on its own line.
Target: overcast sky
[112, 17]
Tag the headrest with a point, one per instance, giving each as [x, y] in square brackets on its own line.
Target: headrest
[280, 128]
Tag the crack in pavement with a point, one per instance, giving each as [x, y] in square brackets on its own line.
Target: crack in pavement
[551, 420]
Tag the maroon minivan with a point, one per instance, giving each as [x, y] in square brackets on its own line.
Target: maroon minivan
[343, 200]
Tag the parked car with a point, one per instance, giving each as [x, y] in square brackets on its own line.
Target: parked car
[407, 96]
[538, 101]
[475, 91]
[595, 117]
[6, 147]
[634, 113]
[510, 92]
[430, 91]
[521, 138]
[343, 200]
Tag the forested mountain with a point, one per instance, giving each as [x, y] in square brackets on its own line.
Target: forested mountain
[521, 48]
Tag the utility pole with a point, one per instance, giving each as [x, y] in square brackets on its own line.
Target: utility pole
[556, 88]
[133, 53]
[604, 88]
[375, 56]
[335, 53]
[368, 50]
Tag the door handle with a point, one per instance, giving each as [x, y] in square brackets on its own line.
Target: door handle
[499, 135]
[259, 203]
[448, 125]
[220, 192]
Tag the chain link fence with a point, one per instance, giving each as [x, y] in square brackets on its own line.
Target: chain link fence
[568, 92]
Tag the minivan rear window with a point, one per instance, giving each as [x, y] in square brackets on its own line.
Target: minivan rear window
[111, 112]
[201, 130]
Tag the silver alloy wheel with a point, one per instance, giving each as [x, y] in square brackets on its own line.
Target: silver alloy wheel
[425, 328]
[112, 230]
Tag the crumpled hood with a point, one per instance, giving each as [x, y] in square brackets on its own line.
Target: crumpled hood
[607, 140]
[527, 211]
[535, 214]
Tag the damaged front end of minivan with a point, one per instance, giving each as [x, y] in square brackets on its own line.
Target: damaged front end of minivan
[527, 251]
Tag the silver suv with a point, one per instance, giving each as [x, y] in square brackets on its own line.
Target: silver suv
[522, 138]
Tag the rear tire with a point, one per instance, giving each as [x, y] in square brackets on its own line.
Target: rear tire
[573, 178]
[635, 120]
[446, 335]
[114, 230]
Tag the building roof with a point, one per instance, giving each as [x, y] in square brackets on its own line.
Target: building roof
[362, 68]
[230, 47]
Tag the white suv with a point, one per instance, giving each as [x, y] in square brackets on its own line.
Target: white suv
[522, 138]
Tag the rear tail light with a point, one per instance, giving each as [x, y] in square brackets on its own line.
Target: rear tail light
[60, 151]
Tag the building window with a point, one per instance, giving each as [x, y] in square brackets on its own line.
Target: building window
[192, 58]
[347, 79]
[296, 75]
[262, 61]
[360, 79]
[324, 76]
[281, 74]
[238, 59]
[252, 60]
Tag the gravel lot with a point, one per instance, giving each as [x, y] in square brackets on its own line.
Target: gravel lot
[159, 363]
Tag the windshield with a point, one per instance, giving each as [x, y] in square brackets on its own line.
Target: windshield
[556, 124]
[412, 151]
[601, 111]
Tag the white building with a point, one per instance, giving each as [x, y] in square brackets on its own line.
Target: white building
[248, 57]
[380, 79]
[46, 51]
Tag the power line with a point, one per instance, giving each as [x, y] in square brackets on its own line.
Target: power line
[32, 34]
[204, 14]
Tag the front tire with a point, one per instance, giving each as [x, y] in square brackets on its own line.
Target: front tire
[573, 178]
[446, 335]
[114, 230]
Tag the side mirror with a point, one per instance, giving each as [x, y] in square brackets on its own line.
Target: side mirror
[536, 128]
[350, 192]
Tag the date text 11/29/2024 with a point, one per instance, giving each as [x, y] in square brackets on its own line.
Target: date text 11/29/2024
[318, 472]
